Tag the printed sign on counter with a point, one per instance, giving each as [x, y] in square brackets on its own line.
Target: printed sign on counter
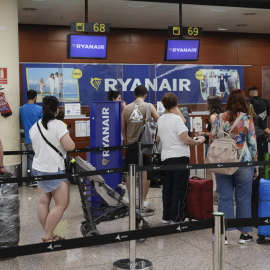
[81, 128]
[72, 109]
[160, 107]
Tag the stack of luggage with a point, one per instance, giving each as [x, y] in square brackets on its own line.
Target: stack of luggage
[9, 213]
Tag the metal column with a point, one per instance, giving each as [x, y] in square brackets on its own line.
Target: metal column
[219, 241]
[132, 262]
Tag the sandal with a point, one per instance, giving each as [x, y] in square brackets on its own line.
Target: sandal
[58, 238]
[44, 240]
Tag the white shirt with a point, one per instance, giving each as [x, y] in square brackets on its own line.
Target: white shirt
[46, 159]
[170, 126]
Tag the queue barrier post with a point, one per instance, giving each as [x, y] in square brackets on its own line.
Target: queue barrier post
[132, 262]
[219, 241]
[143, 211]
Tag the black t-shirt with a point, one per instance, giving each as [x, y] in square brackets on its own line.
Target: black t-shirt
[260, 126]
[261, 108]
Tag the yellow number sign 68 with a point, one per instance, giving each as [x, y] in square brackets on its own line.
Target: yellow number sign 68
[99, 27]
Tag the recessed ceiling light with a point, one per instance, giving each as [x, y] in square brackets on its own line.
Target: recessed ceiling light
[29, 9]
[250, 14]
[62, 17]
[41, 0]
[217, 10]
[135, 6]
[241, 24]
[222, 29]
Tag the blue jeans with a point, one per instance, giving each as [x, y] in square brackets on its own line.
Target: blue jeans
[30, 158]
[239, 183]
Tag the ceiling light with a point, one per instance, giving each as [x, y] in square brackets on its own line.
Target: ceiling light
[135, 6]
[62, 17]
[41, 0]
[29, 9]
[217, 10]
[250, 14]
[222, 29]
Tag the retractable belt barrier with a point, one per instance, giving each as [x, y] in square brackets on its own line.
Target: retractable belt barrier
[140, 168]
[80, 150]
[125, 236]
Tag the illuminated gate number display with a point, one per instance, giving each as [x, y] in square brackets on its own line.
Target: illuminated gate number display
[184, 31]
[90, 27]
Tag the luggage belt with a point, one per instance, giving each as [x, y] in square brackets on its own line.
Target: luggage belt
[139, 168]
[126, 236]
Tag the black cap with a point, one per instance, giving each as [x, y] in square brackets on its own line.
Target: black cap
[253, 88]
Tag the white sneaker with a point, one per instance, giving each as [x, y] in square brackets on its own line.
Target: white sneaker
[145, 204]
[166, 221]
[226, 240]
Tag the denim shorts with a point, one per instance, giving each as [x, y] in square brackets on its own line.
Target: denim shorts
[50, 185]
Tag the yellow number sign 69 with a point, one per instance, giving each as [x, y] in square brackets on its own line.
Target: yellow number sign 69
[193, 31]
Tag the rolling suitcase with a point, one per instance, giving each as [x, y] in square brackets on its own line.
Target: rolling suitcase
[199, 201]
[264, 208]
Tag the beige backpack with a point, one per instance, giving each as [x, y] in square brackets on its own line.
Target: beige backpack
[224, 148]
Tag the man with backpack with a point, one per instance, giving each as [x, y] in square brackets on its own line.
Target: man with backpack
[260, 105]
[133, 119]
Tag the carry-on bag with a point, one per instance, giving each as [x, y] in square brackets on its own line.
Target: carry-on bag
[199, 201]
[224, 149]
[9, 213]
[264, 208]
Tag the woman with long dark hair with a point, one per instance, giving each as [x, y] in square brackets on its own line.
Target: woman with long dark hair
[215, 107]
[116, 96]
[47, 162]
[240, 183]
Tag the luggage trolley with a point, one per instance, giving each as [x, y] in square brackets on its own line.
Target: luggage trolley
[112, 206]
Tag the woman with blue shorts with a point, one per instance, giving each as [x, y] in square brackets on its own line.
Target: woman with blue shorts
[48, 162]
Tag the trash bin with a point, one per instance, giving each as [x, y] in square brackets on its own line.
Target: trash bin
[9, 213]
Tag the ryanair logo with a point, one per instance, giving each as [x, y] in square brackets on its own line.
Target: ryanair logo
[95, 82]
[74, 45]
[183, 50]
[105, 161]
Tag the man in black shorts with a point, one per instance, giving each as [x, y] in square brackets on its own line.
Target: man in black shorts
[133, 119]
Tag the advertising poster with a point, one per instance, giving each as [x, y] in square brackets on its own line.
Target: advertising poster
[266, 83]
[91, 82]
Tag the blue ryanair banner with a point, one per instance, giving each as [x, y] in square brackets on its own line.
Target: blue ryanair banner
[91, 82]
[105, 122]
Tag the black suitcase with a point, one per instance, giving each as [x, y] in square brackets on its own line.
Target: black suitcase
[9, 213]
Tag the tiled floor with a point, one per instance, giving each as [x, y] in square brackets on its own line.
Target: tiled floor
[190, 250]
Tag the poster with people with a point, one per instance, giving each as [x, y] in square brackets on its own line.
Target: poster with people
[219, 82]
[50, 80]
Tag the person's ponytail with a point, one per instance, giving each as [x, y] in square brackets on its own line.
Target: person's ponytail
[50, 106]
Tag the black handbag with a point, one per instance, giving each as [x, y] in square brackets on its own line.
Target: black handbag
[69, 160]
[155, 176]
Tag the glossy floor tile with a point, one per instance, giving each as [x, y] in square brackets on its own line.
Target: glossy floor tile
[188, 250]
